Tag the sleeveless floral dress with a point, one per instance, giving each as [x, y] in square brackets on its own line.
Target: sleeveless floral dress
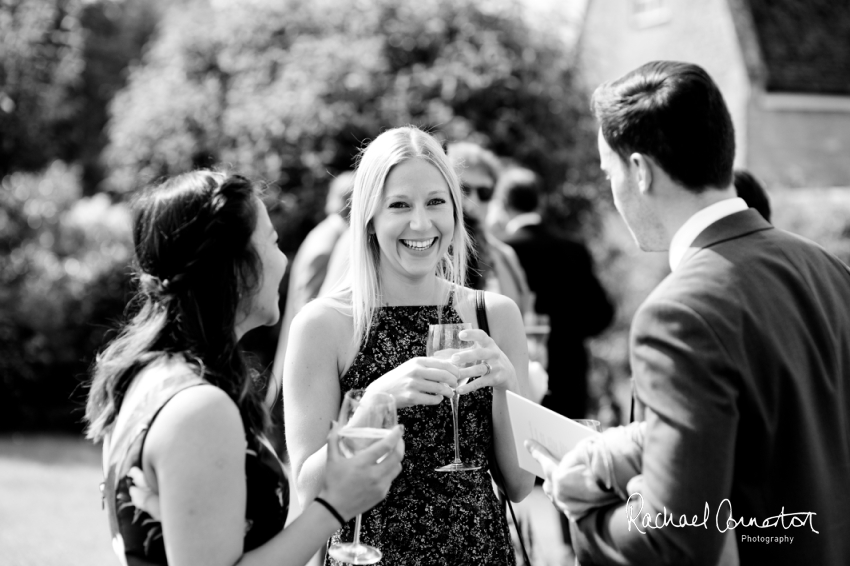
[429, 517]
[133, 507]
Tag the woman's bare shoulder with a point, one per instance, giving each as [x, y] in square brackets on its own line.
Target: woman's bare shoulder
[501, 305]
[203, 399]
[499, 308]
[323, 323]
[503, 315]
[324, 311]
[165, 373]
[198, 427]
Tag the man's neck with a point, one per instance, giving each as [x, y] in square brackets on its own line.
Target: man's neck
[699, 221]
[682, 209]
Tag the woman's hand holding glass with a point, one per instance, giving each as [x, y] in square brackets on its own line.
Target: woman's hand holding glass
[355, 485]
[367, 418]
[442, 343]
[419, 381]
[488, 361]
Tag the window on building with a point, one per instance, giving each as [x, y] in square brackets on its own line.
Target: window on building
[648, 13]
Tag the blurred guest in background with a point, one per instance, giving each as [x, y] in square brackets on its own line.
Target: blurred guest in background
[310, 266]
[752, 191]
[190, 475]
[494, 265]
[408, 262]
[560, 274]
[566, 290]
[337, 265]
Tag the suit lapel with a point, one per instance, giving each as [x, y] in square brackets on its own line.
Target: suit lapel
[728, 228]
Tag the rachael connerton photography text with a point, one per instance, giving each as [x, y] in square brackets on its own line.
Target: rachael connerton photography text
[665, 519]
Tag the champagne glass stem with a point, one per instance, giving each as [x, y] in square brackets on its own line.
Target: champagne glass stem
[455, 408]
[357, 531]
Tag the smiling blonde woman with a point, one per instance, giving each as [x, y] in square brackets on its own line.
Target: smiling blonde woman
[408, 260]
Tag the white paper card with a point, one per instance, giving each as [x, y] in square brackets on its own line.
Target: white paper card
[532, 421]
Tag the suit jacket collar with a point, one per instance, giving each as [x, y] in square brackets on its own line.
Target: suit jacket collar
[728, 228]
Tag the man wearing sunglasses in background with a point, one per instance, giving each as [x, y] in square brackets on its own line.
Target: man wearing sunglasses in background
[496, 267]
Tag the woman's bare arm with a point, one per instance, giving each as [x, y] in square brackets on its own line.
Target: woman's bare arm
[311, 392]
[508, 356]
[195, 460]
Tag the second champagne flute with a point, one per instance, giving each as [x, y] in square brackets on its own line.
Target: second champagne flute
[366, 418]
[443, 342]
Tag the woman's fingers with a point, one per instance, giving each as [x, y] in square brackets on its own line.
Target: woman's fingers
[333, 441]
[437, 376]
[480, 369]
[393, 457]
[437, 364]
[476, 384]
[383, 448]
[436, 387]
[475, 335]
[475, 356]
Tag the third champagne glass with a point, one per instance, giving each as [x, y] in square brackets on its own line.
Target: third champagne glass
[366, 417]
[443, 342]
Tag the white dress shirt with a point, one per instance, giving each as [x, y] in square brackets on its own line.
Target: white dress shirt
[692, 228]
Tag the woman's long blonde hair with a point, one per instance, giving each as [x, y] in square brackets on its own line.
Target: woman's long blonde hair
[363, 288]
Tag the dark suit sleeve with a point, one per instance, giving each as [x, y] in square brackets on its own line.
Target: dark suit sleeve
[686, 381]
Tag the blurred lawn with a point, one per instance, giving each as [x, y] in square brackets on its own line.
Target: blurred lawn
[50, 510]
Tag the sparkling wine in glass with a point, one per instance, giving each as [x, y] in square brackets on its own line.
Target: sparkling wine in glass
[443, 343]
[366, 418]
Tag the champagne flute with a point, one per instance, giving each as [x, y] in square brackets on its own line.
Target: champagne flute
[366, 417]
[443, 342]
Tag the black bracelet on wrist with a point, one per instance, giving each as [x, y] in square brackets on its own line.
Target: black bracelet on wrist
[330, 508]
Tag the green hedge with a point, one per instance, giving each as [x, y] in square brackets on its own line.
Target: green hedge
[63, 283]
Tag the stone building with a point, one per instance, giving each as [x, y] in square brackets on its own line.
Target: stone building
[783, 67]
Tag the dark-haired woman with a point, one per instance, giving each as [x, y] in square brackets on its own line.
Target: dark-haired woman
[190, 478]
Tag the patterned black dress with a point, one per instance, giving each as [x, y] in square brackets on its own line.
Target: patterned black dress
[430, 517]
[133, 521]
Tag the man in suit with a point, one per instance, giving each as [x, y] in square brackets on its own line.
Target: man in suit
[494, 266]
[560, 274]
[740, 357]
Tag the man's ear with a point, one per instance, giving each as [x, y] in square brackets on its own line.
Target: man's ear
[642, 167]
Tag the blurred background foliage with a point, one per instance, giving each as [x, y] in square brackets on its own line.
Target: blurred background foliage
[289, 91]
[63, 282]
[98, 98]
[101, 97]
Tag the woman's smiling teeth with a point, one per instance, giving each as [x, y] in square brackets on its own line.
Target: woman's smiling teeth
[419, 245]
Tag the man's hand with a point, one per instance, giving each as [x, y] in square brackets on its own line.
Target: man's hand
[570, 484]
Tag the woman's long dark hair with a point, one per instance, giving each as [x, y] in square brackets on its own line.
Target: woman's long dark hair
[194, 261]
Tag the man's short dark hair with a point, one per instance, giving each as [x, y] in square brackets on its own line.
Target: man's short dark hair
[753, 192]
[520, 189]
[674, 113]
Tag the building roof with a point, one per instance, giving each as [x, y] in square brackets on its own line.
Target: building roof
[804, 45]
